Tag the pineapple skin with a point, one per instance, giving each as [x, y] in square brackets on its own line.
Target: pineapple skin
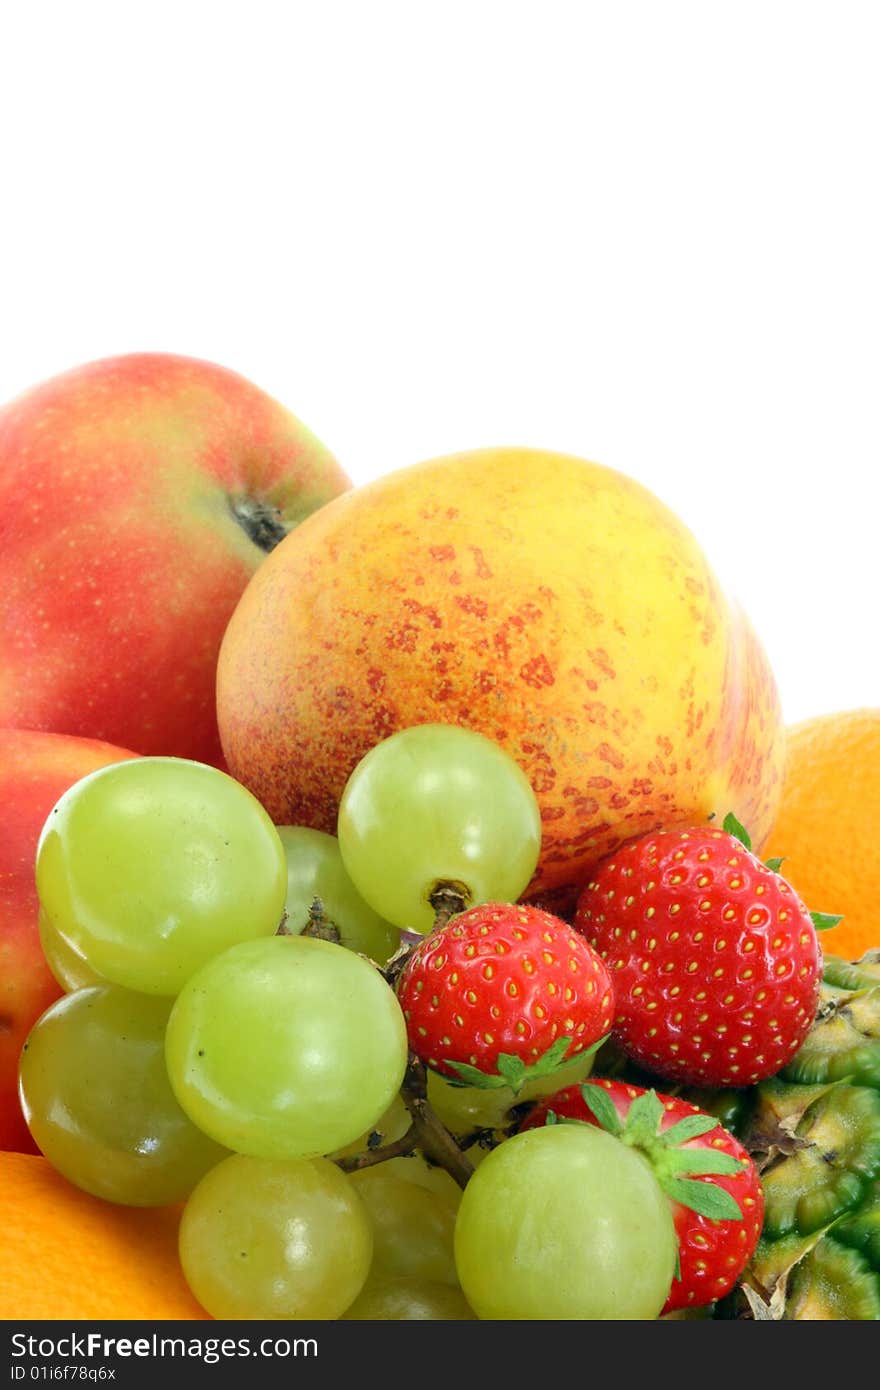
[814, 1132]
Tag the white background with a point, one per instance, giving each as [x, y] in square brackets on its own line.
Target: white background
[646, 233]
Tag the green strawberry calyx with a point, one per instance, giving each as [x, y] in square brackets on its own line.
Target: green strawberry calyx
[676, 1168]
[822, 921]
[737, 830]
[514, 1072]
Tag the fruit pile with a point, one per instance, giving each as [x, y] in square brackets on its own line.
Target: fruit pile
[433, 974]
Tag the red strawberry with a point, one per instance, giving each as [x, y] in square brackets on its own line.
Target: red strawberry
[715, 960]
[697, 1163]
[503, 991]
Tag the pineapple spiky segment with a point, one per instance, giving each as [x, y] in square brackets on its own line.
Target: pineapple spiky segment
[833, 1283]
[814, 1131]
[844, 1042]
[849, 974]
[816, 1278]
[831, 1165]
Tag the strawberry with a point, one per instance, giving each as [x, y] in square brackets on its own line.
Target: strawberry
[715, 959]
[712, 1184]
[503, 992]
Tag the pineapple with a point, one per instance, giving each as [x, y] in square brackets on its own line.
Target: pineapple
[814, 1131]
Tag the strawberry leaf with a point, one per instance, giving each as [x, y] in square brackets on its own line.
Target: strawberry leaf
[593, 1048]
[774, 864]
[472, 1076]
[705, 1198]
[551, 1059]
[691, 1127]
[697, 1161]
[513, 1069]
[737, 830]
[600, 1104]
[824, 921]
[643, 1120]
[551, 1118]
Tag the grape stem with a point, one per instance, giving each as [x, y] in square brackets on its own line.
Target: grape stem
[392, 967]
[318, 924]
[353, 1163]
[432, 1137]
[447, 898]
[426, 1133]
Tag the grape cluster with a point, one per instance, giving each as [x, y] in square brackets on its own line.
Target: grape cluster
[231, 1037]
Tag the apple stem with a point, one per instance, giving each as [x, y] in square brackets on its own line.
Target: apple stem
[261, 522]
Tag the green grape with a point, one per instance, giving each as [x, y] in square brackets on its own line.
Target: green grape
[416, 1169]
[68, 965]
[263, 1238]
[286, 1047]
[464, 1109]
[565, 1223]
[96, 1096]
[412, 1227]
[149, 868]
[409, 1300]
[389, 1127]
[315, 870]
[412, 1167]
[437, 804]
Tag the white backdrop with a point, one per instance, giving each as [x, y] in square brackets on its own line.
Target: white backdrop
[646, 233]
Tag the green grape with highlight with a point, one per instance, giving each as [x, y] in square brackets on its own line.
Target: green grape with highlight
[437, 805]
[68, 965]
[415, 1168]
[275, 1239]
[286, 1047]
[149, 868]
[565, 1223]
[97, 1099]
[315, 870]
[412, 1227]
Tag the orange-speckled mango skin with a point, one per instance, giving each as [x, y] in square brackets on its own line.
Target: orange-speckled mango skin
[550, 603]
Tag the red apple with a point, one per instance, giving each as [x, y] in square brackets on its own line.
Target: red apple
[35, 770]
[137, 497]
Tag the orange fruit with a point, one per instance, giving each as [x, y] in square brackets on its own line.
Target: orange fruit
[826, 829]
[71, 1256]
